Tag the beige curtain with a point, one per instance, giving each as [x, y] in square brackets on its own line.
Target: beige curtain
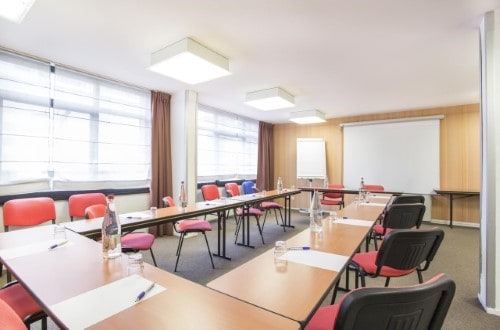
[161, 158]
[265, 158]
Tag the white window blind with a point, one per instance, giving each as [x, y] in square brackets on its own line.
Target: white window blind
[70, 129]
[227, 145]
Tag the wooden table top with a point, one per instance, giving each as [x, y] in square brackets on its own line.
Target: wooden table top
[54, 276]
[297, 290]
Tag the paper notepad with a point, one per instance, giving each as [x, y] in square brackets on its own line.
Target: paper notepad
[355, 222]
[29, 249]
[373, 204]
[96, 305]
[317, 259]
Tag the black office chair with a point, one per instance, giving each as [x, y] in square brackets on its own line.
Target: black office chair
[397, 216]
[403, 252]
[422, 306]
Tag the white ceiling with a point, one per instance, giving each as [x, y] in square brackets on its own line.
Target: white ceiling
[341, 57]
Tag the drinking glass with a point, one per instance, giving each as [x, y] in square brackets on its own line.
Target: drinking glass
[135, 263]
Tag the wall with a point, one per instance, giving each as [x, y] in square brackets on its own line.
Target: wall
[459, 155]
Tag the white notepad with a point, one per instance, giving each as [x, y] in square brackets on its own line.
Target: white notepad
[355, 222]
[96, 305]
[317, 259]
[29, 249]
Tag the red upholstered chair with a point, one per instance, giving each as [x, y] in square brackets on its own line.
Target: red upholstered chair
[79, 202]
[25, 212]
[403, 252]
[333, 198]
[422, 306]
[130, 241]
[374, 187]
[10, 320]
[22, 305]
[185, 227]
[210, 192]
[28, 212]
[234, 190]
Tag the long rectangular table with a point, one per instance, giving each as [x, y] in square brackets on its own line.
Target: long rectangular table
[145, 219]
[455, 194]
[64, 275]
[295, 291]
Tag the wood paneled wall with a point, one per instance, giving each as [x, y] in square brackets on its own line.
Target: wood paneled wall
[459, 154]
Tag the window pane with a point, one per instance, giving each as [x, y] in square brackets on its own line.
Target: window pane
[24, 119]
[227, 145]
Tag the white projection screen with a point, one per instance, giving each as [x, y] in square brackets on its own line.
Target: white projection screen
[402, 156]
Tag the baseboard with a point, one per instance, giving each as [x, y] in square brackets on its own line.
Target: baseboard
[489, 310]
[455, 223]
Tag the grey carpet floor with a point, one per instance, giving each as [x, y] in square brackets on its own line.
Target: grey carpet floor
[458, 256]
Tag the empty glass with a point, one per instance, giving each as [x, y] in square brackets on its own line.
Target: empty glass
[135, 263]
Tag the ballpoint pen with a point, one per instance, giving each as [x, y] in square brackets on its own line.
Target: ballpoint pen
[134, 217]
[52, 247]
[299, 248]
[143, 293]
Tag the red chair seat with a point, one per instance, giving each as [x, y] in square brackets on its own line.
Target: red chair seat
[251, 211]
[270, 205]
[379, 229]
[193, 225]
[324, 318]
[367, 262]
[137, 241]
[19, 300]
[10, 320]
[330, 202]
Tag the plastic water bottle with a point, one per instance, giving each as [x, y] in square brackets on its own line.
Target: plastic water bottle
[280, 185]
[183, 196]
[111, 231]
[316, 214]
[362, 191]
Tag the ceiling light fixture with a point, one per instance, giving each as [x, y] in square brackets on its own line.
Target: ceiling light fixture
[15, 10]
[308, 117]
[270, 99]
[190, 62]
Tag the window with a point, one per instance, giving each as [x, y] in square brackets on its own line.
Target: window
[227, 145]
[65, 129]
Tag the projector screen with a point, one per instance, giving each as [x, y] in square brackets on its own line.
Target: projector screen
[401, 156]
[311, 158]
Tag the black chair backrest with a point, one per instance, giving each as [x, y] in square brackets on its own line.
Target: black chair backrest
[408, 199]
[404, 216]
[406, 249]
[422, 306]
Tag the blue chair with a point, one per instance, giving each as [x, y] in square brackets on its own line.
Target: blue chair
[248, 187]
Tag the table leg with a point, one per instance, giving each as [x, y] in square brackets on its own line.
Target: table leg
[451, 210]
[245, 225]
[221, 231]
[288, 214]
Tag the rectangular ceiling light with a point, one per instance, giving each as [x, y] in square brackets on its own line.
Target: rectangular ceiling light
[308, 117]
[189, 62]
[270, 99]
[15, 10]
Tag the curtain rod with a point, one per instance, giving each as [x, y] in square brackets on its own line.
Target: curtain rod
[387, 121]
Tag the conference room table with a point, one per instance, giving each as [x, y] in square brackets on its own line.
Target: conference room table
[453, 195]
[349, 191]
[79, 289]
[144, 219]
[295, 287]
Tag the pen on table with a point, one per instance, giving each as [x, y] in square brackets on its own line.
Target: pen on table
[299, 248]
[143, 293]
[52, 247]
[132, 217]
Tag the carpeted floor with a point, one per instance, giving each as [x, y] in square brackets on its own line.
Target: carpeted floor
[458, 256]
